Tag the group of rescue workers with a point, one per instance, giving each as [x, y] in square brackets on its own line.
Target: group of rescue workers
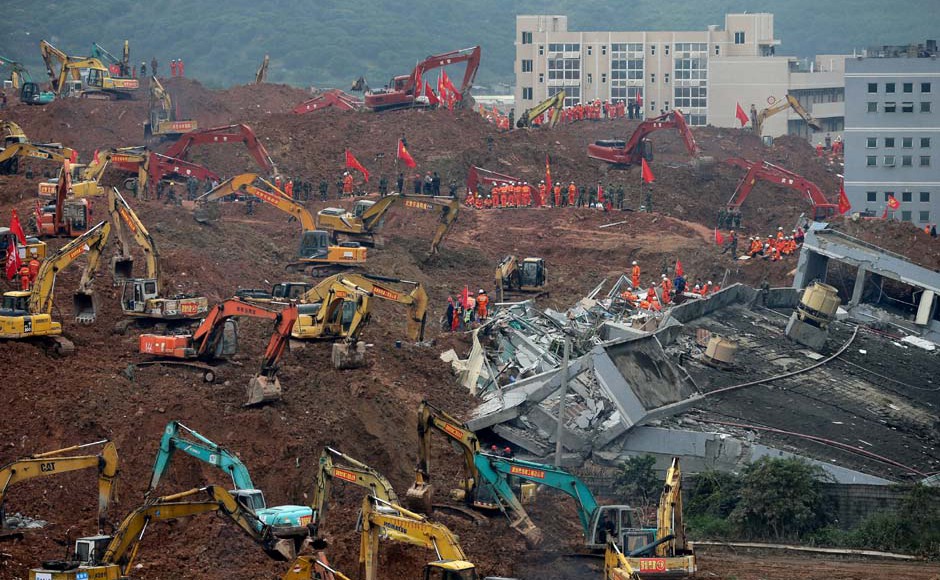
[666, 291]
[772, 248]
[464, 312]
[27, 274]
[515, 194]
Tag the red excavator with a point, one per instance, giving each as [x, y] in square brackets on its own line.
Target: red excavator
[331, 98]
[217, 337]
[240, 133]
[402, 90]
[67, 216]
[625, 154]
[763, 171]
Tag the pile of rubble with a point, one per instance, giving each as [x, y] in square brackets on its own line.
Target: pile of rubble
[18, 521]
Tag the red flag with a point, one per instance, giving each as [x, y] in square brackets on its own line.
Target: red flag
[16, 228]
[429, 93]
[884, 216]
[548, 172]
[13, 260]
[353, 163]
[844, 205]
[741, 115]
[679, 270]
[405, 156]
[893, 203]
[441, 89]
[600, 194]
[465, 297]
[719, 239]
[450, 86]
[95, 157]
[647, 173]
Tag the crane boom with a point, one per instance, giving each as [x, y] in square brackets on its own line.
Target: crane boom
[763, 171]
[239, 133]
[628, 153]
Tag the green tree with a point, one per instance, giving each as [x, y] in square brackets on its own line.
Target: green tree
[636, 480]
[780, 498]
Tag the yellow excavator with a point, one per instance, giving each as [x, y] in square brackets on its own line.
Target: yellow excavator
[56, 462]
[28, 314]
[556, 103]
[97, 83]
[112, 557]
[163, 121]
[616, 565]
[790, 102]
[141, 297]
[86, 178]
[17, 146]
[315, 253]
[378, 517]
[367, 217]
[529, 275]
[351, 471]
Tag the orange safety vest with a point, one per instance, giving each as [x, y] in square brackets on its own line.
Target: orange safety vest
[572, 191]
[635, 276]
[557, 192]
[517, 195]
[543, 194]
[482, 301]
[347, 184]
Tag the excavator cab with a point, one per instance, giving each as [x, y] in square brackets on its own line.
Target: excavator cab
[90, 550]
[253, 499]
[532, 273]
[623, 524]
[315, 244]
[361, 207]
[15, 303]
[137, 292]
[450, 570]
[646, 149]
[290, 290]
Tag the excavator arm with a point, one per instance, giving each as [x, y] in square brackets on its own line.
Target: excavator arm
[616, 566]
[634, 150]
[262, 74]
[556, 102]
[469, 55]
[272, 196]
[803, 113]
[128, 225]
[240, 133]
[222, 311]
[91, 242]
[448, 218]
[56, 61]
[669, 514]
[790, 102]
[764, 171]
[352, 471]
[278, 342]
[431, 419]
[55, 462]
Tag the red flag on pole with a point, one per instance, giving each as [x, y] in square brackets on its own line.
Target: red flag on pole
[465, 297]
[679, 270]
[548, 172]
[16, 228]
[647, 173]
[429, 93]
[353, 163]
[741, 115]
[450, 86]
[884, 216]
[893, 203]
[719, 239]
[406, 157]
[844, 205]
[441, 89]
[13, 260]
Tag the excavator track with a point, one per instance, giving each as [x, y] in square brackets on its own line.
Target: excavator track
[475, 517]
[61, 345]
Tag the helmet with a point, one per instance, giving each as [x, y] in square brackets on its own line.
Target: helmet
[507, 449]
[780, 228]
[732, 231]
[494, 448]
[709, 282]
[481, 291]
[664, 276]
[634, 262]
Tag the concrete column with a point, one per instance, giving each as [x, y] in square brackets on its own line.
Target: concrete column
[859, 287]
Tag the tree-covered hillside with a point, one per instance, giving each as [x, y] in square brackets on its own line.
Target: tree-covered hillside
[331, 42]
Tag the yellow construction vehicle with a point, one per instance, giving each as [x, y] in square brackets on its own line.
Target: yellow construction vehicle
[17, 146]
[315, 253]
[56, 462]
[261, 76]
[34, 249]
[354, 472]
[163, 121]
[27, 314]
[67, 215]
[339, 307]
[367, 217]
[790, 102]
[556, 103]
[530, 276]
[304, 568]
[616, 565]
[411, 528]
[112, 557]
[97, 83]
[141, 297]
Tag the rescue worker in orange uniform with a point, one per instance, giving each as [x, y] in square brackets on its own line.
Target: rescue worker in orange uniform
[482, 302]
[635, 275]
[517, 191]
[24, 278]
[289, 188]
[543, 194]
[706, 287]
[33, 269]
[779, 233]
[666, 286]
[504, 195]
[347, 184]
[572, 193]
[557, 192]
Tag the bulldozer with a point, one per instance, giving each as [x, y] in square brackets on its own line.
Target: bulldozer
[512, 276]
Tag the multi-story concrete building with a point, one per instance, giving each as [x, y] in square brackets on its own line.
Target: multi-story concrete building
[892, 134]
[703, 73]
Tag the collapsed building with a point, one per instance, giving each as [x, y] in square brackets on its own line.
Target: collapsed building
[715, 380]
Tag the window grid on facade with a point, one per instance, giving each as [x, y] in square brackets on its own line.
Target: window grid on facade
[527, 65]
[925, 196]
[907, 107]
[871, 142]
[871, 160]
[626, 71]
[925, 160]
[889, 142]
[871, 196]
[906, 216]
[739, 37]
[925, 142]
[924, 216]
[872, 87]
[906, 196]
[925, 87]
[889, 87]
[925, 106]
[891, 107]
[907, 161]
[889, 161]
[872, 107]
[907, 142]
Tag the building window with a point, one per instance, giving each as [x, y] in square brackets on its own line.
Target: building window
[666, 106]
[666, 49]
[906, 196]
[889, 195]
[541, 49]
[924, 216]
[526, 93]
[872, 87]
[872, 107]
[572, 94]
[908, 87]
[925, 196]
[925, 87]
[889, 161]
[907, 161]
[907, 142]
[925, 160]
[590, 49]
[925, 142]
[604, 49]
[690, 97]
[603, 77]
[871, 196]
[590, 78]
[925, 106]
[889, 142]
[541, 78]
[652, 105]
[889, 87]
[739, 38]
[717, 50]
[526, 38]
[653, 49]
[653, 78]
[871, 160]
[871, 142]
[666, 78]
[905, 216]
[526, 65]
[891, 107]
[907, 107]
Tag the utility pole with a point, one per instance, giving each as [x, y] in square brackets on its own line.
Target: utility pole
[561, 402]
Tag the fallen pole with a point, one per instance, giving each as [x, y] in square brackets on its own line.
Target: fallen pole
[613, 224]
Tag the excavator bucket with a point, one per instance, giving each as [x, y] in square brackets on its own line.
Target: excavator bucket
[207, 212]
[262, 389]
[418, 498]
[85, 307]
[122, 268]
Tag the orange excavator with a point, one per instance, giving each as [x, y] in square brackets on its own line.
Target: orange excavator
[217, 337]
[67, 216]
[332, 98]
[402, 92]
[623, 154]
[764, 171]
[240, 133]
